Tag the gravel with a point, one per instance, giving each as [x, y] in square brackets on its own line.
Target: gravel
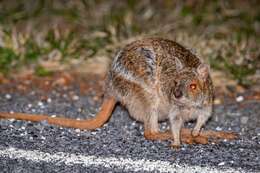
[122, 136]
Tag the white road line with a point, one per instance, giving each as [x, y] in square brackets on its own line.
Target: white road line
[126, 164]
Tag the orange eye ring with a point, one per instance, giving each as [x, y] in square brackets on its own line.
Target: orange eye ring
[193, 86]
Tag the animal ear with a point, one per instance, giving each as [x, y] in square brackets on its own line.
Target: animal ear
[178, 63]
[203, 71]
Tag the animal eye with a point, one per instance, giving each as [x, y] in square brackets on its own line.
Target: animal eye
[193, 86]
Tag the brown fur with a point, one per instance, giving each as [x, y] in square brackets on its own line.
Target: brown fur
[152, 78]
[147, 74]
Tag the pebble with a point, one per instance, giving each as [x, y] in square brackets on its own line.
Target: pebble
[8, 96]
[49, 100]
[80, 110]
[221, 164]
[33, 93]
[133, 123]
[42, 107]
[29, 105]
[40, 103]
[239, 98]
[44, 123]
[75, 97]
[12, 120]
[244, 120]
[77, 130]
[217, 101]
[218, 128]
[93, 133]
[18, 125]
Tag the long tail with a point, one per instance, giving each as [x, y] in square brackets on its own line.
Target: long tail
[89, 124]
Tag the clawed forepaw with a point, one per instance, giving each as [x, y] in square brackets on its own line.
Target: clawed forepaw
[195, 133]
[175, 146]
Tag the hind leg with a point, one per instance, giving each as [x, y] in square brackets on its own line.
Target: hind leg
[151, 125]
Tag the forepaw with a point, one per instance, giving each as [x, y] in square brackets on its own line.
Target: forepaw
[195, 133]
[149, 136]
[176, 146]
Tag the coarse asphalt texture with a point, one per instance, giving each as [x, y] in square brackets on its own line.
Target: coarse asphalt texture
[121, 137]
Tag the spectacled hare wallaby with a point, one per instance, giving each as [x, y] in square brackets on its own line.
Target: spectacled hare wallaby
[156, 79]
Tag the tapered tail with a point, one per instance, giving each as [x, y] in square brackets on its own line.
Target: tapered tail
[102, 116]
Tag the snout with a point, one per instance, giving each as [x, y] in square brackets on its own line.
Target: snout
[178, 93]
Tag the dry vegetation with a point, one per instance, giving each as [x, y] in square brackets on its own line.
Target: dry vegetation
[45, 36]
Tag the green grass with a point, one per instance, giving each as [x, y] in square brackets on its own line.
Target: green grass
[7, 60]
[41, 71]
[238, 72]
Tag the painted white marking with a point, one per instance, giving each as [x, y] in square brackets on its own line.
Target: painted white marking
[126, 164]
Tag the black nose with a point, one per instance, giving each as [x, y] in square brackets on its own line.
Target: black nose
[178, 93]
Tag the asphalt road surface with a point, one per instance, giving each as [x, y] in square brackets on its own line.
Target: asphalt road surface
[119, 146]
